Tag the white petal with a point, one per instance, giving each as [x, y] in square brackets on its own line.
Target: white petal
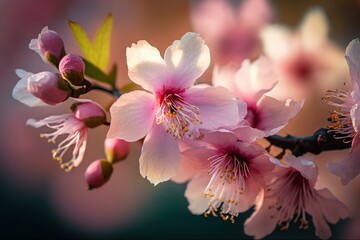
[194, 193]
[188, 58]
[355, 117]
[132, 116]
[21, 93]
[160, 155]
[352, 57]
[146, 66]
[314, 28]
[276, 41]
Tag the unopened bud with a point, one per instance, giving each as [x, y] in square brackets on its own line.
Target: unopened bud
[91, 113]
[72, 68]
[116, 149]
[48, 87]
[98, 173]
[49, 46]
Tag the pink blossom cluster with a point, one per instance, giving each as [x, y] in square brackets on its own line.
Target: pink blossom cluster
[211, 135]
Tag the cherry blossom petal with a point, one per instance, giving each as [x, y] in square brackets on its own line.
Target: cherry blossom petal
[188, 58]
[259, 224]
[255, 79]
[355, 117]
[276, 41]
[248, 197]
[210, 18]
[160, 155]
[220, 139]
[248, 134]
[352, 57]
[146, 66]
[348, 168]
[328, 203]
[305, 165]
[246, 13]
[21, 93]
[276, 114]
[216, 105]
[225, 77]
[194, 193]
[132, 116]
[193, 162]
[314, 28]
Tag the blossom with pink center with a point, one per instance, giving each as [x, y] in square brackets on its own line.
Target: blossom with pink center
[265, 115]
[226, 175]
[172, 108]
[305, 59]
[85, 114]
[290, 196]
[232, 32]
[49, 45]
[40, 89]
[346, 116]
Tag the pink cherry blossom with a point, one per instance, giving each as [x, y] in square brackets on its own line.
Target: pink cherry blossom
[290, 196]
[72, 68]
[226, 175]
[232, 32]
[85, 114]
[48, 43]
[40, 89]
[98, 173]
[265, 115]
[346, 116]
[172, 108]
[305, 59]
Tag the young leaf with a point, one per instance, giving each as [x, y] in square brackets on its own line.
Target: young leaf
[98, 51]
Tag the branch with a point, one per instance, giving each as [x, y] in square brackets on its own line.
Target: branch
[321, 140]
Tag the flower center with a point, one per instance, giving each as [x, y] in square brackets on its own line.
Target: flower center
[291, 191]
[340, 119]
[228, 176]
[178, 116]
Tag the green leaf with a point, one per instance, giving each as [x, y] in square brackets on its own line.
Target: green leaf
[98, 51]
[112, 76]
[94, 72]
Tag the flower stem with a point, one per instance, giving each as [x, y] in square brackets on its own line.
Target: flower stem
[321, 140]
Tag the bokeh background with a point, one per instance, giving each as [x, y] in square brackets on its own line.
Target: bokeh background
[38, 199]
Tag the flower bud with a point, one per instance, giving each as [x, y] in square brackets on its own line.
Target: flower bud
[116, 149]
[91, 113]
[98, 173]
[48, 87]
[72, 68]
[49, 46]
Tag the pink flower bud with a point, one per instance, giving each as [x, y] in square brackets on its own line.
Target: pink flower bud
[48, 87]
[116, 149]
[49, 46]
[72, 68]
[91, 113]
[98, 173]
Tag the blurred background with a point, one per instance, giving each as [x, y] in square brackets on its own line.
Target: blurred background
[38, 199]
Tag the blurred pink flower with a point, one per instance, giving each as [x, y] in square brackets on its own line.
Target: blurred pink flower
[231, 32]
[305, 59]
[85, 114]
[346, 117]
[226, 175]
[174, 109]
[265, 115]
[290, 196]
